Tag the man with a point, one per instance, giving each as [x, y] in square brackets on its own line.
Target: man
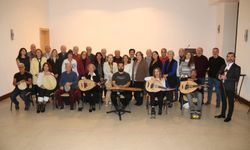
[32, 52]
[121, 79]
[104, 54]
[90, 55]
[117, 58]
[229, 74]
[148, 57]
[70, 60]
[22, 77]
[63, 54]
[132, 55]
[164, 56]
[195, 108]
[76, 54]
[68, 84]
[214, 64]
[201, 65]
[47, 50]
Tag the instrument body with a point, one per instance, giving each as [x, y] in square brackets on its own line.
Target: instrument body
[125, 89]
[153, 85]
[189, 86]
[22, 86]
[49, 82]
[86, 84]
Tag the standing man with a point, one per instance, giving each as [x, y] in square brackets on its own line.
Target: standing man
[32, 52]
[229, 74]
[201, 65]
[132, 55]
[117, 58]
[214, 64]
[148, 57]
[164, 56]
[47, 50]
[76, 54]
[90, 55]
[104, 54]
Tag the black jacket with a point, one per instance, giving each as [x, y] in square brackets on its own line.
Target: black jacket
[233, 75]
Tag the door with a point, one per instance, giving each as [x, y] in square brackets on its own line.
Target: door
[44, 38]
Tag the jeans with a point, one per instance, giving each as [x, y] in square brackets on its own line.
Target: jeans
[190, 97]
[202, 81]
[22, 94]
[213, 82]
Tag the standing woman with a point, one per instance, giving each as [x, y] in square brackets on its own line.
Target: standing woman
[82, 65]
[99, 64]
[139, 72]
[185, 69]
[71, 61]
[43, 93]
[128, 66]
[109, 68]
[55, 64]
[155, 63]
[36, 67]
[24, 59]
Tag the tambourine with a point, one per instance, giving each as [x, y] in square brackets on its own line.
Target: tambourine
[49, 82]
[86, 84]
[22, 85]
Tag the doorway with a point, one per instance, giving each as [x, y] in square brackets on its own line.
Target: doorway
[44, 38]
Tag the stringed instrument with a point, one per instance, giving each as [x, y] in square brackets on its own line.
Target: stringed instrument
[124, 89]
[153, 85]
[189, 86]
[87, 84]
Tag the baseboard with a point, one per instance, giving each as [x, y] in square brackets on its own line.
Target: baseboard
[243, 100]
[3, 97]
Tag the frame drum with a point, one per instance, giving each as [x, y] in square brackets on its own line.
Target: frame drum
[22, 85]
[49, 82]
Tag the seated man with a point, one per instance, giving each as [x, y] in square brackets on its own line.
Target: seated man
[195, 108]
[24, 78]
[68, 84]
[121, 79]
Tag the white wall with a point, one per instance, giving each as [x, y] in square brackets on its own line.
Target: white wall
[139, 24]
[25, 17]
[243, 48]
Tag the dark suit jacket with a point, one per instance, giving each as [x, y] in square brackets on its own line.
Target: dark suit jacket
[233, 76]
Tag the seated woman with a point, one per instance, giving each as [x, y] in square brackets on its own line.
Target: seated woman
[92, 96]
[195, 108]
[157, 76]
[43, 93]
[68, 84]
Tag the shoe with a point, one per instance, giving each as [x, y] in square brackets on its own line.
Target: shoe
[227, 119]
[152, 111]
[207, 103]
[93, 108]
[160, 112]
[43, 108]
[26, 108]
[217, 105]
[170, 105]
[90, 110]
[38, 110]
[17, 107]
[62, 107]
[71, 108]
[80, 108]
[220, 116]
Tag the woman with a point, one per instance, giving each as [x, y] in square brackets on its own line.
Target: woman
[70, 60]
[24, 59]
[169, 71]
[157, 77]
[36, 67]
[155, 62]
[55, 64]
[139, 72]
[127, 65]
[43, 94]
[99, 64]
[83, 63]
[92, 96]
[109, 68]
[185, 69]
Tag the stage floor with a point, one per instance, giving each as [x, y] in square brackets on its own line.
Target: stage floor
[73, 130]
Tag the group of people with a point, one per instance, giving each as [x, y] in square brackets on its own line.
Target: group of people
[68, 67]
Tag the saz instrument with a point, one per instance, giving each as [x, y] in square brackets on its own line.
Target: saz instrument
[49, 82]
[154, 85]
[22, 85]
[189, 86]
[87, 84]
[124, 89]
[66, 88]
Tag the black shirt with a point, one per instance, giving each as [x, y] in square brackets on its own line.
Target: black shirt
[121, 78]
[152, 66]
[19, 77]
[214, 65]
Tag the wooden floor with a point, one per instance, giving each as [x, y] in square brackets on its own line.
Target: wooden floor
[72, 130]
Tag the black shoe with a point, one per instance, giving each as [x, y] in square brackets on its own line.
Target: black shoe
[38, 110]
[71, 107]
[80, 108]
[26, 108]
[207, 103]
[220, 116]
[170, 105]
[227, 119]
[217, 105]
[43, 108]
[160, 112]
[90, 110]
[152, 111]
[62, 107]
[17, 107]
[93, 108]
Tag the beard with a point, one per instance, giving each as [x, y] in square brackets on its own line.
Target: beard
[120, 70]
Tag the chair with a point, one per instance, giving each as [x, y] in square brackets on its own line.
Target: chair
[30, 99]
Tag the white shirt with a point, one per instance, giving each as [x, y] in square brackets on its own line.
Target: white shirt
[92, 75]
[40, 78]
[128, 69]
[107, 72]
[73, 63]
